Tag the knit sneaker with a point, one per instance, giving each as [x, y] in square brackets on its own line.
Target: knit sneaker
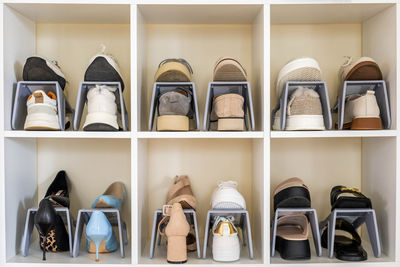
[304, 111]
[41, 111]
[225, 246]
[102, 109]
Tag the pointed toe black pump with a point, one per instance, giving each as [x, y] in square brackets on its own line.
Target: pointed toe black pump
[45, 219]
[58, 191]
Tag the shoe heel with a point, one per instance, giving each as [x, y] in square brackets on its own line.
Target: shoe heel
[97, 240]
[176, 249]
[366, 124]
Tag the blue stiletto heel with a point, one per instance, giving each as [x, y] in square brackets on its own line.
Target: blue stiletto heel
[99, 230]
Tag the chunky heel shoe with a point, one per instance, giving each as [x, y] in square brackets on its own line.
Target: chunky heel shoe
[45, 219]
[100, 235]
[176, 231]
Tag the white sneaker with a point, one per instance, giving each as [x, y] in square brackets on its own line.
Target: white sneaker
[226, 196]
[225, 246]
[301, 69]
[304, 111]
[42, 111]
[103, 68]
[102, 109]
[362, 112]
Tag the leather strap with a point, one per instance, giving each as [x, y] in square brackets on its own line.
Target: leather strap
[177, 186]
[338, 190]
[163, 220]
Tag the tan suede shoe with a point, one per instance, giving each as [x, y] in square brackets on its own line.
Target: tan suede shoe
[181, 192]
[227, 113]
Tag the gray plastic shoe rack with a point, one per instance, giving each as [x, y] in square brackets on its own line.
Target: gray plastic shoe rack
[25, 89]
[112, 215]
[156, 237]
[241, 216]
[356, 217]
[220, 88]
[361, 87]
[84, 88]
[291, 86]
[312, 218]
[160, 88]
[29, 223]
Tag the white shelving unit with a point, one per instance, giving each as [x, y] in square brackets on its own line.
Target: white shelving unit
[264, 35]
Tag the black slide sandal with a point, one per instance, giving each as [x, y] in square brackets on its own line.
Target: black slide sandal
[292, 193]
[345, 248]
[348, 198]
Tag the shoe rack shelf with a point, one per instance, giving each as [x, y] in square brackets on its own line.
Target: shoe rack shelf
[263, 35]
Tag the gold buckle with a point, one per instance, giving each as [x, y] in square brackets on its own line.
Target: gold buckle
[350, 189]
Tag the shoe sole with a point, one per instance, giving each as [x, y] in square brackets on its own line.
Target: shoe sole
[36, 69]
[362, 124]
[41, 121]
[102, 71]
[302, 69]
[305, 122]
[172, 72]
[229, 70]
[366, 70]
[100, 121]
[102, 247]
[231, 124]
[293, 249]
[172, 123]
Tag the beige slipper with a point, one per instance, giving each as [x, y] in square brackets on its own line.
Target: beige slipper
[229, 69]
[181, 192]
[174, 70]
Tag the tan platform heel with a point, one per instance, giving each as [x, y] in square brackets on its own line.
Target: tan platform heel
[176, 231]
[181, 192]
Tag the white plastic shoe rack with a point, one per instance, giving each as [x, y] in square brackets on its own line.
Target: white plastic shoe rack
[264, 35]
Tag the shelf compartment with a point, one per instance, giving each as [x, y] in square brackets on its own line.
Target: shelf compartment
[91, 165]
[201, 34]
[205, 162]
[327, 33]
[368, 164]
[51, 30]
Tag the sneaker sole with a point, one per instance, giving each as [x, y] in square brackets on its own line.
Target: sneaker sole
[231, 124]
[172, 72]
[37, 69]
[41, 121]
[302, 69]
[229, 70]
[305, 122]
[172, 123]
[100, 121]
[102, 71]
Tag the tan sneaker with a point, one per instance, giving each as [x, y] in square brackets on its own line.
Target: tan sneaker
[365, 68]
[304, 111]
[229, 69]
[227, 113]
[362, 112]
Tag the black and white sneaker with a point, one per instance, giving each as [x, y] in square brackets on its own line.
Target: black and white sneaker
[103, 68]
[38, 68]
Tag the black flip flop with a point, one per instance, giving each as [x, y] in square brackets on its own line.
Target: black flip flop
[346, 249]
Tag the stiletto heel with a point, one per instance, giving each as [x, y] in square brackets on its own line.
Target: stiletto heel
[99, 234]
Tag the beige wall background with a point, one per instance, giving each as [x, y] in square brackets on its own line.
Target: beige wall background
[74, 56]
[201, 45]
[91, 165]
[327, 43]
[320, 170]
[205, 162]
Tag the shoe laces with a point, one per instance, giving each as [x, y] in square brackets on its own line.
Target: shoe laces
[180, 60]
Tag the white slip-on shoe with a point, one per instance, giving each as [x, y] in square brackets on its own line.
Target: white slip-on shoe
[226, 196]
[103, 68]
[301, 69]
[102, 109]
[42, 111]
[226, 245]
[362, 112]
[38, 68]
[304, 111]
[365, 68]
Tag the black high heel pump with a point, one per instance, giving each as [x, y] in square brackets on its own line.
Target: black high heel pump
[45, 219]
